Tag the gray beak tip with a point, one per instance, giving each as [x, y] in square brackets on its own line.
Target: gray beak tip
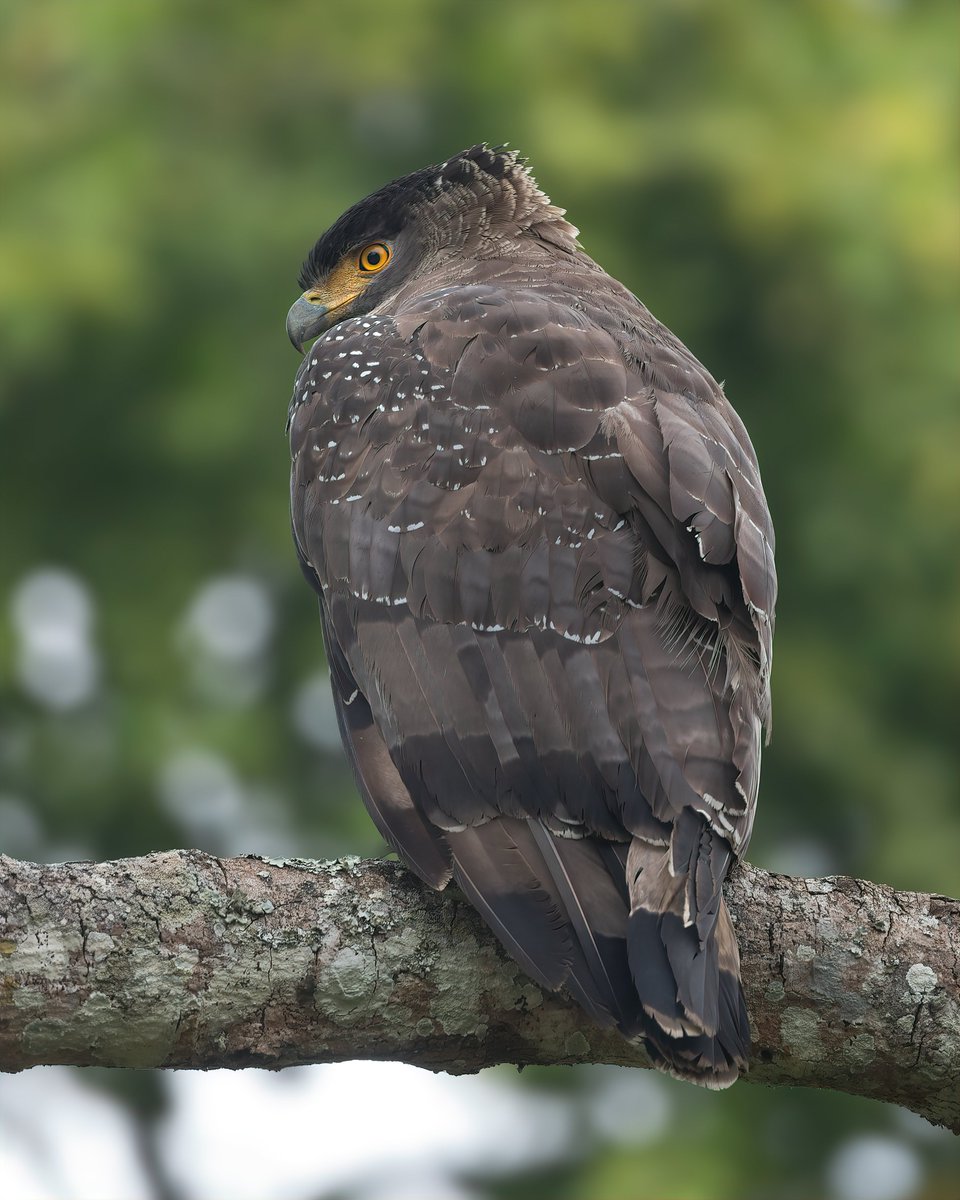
[304, 322]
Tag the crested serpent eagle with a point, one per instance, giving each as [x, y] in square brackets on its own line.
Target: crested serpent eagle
[546, 578]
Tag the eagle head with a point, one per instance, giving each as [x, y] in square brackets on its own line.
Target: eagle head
[477, 204]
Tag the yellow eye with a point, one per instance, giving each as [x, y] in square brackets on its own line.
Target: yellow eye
[374, 257]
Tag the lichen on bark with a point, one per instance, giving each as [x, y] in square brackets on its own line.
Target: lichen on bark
[181, 959]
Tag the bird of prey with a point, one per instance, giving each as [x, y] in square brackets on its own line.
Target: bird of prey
[546, 578]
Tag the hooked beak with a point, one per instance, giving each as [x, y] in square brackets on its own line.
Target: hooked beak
[307, 319]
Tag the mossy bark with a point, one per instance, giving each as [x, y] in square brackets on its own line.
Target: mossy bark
[181, 959]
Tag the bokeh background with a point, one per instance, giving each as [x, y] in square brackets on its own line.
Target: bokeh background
[779, 182]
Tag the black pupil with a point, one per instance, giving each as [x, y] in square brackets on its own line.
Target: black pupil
[373, 258]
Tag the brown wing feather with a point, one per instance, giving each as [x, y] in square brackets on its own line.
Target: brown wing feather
[546, 560]
[384, 793]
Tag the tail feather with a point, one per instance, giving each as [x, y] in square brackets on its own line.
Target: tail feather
[587, 880]
[559, 906]
[499, 869]
[684, 956]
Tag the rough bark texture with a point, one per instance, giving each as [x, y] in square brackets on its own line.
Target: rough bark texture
[185, 960]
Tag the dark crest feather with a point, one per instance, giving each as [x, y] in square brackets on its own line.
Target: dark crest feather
[385, 212]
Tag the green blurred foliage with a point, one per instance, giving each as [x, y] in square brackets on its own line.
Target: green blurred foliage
[778, 182]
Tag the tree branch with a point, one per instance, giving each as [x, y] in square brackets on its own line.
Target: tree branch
[184, 960]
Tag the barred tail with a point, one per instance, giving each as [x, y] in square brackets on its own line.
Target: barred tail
[684, 957]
